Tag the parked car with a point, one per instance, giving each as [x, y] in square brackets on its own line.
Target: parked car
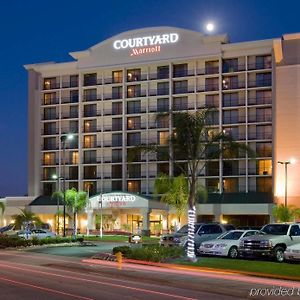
[226, 244]
[203, 232]
[292, 253]
[35, 233]
[272, 241]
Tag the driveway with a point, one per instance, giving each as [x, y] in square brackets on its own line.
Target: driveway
[78, 251]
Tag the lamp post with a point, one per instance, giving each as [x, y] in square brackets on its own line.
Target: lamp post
[101, 216]
[55, 177]
[285, 163]
[63, 140]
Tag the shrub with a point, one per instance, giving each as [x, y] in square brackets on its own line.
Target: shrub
[125, 250]
[13, 241]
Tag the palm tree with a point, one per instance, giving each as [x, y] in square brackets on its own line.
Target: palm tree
[25, 217]
[197, 144]
[76, 201]
[174, 191]
[284, 213]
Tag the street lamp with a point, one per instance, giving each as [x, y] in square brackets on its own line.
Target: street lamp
[286, 163]
[55, 177]
[63, 140]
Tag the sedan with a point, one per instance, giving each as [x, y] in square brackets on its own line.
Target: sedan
[226, 244]
[292, 253]
[36, 233]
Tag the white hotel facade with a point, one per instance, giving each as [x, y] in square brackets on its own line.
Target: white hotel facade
[109, 97]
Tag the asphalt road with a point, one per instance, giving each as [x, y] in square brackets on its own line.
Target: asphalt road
[32, 275]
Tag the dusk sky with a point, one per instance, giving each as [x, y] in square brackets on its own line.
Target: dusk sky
[38, 31]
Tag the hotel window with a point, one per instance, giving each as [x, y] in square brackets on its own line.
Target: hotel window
[90, 187]
[50, 83]
[89, 157]
[133, 139]
[163, 137]
[264, 185]
[74, 96]
[73, 80]
[50, 128]
[116, 185]
[263, 62]
[162, 72]
[50, 143]
[133, 155]
[74, 157]
[50, 113]
[212, 168]
[117, 92]
[133, 91]
[264, 149]
[134, 170]
[50, 98]
[117, 124]
[180, 87]
[116, 139]
[231, 82]
[263, 79]
[73, 185]
[116, 171]
[73, 172]
[263, 115]
[162, 88]
[230, 116]
[213, 185]
[180, 70]
[211, 100]
[163, 104]
[90, 79]
[90, 126]
[230, 99]
[134, 75]
[90, 110]
[134, 123]
[90, 172]
[73, 127]
[264, 132]
[230, 65]
[116, 155]
[264, 167]
[133, 107]
[49, 159]
[48, 173]
[117, 76]
[73, 112]
[212, 118]
[230, 185]
[90, 95]
[162, 121]
[180, 103]
[180, 168]
[117, 108]
[211, 84]
[48, 188]
[89, 141]
[212, 67]
[262, 97]
[134, 186]
[230, 168]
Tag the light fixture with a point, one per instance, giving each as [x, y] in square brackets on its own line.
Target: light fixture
[210, 27]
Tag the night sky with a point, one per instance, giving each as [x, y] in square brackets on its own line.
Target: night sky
[36, 31]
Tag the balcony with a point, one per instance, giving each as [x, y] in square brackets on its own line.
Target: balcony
[50, 131]
[50, 116]
[72, 99]
[211, 70]
[233, 102]
[259, 66]
[260, 136]
[234, 120]
[51, 101]
[208, 87]
[253, 118]
[70, 84]
[138, 77]
[233, 68]
[91, 97]
[183, 73]
[90, 113]
[50, 147]
[154, 76]
[91, 81]
[184, 90]
[91, 128]
[90, 144]
[159, 92]
[51, 86]
[50, 162]
[260, 83]
[233, 85]
[113, 96]
[136, 94]
[260, 101]
[70, 115]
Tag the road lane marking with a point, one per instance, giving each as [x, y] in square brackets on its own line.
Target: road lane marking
[100, 282]
[15, 282]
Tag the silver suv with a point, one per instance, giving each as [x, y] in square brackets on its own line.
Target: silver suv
[203, 232]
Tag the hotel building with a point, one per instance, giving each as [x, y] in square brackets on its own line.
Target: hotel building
[110, 96]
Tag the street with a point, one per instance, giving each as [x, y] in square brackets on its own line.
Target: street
[30, 275]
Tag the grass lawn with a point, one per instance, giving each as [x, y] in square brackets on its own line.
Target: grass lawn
[263, 267]
[117, 238]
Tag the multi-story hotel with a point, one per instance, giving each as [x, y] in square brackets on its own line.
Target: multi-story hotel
[110, 96]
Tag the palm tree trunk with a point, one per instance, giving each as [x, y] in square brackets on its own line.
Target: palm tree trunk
[191, 221]
[74, 224]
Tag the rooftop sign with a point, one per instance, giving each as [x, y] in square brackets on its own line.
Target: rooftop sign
[146, 44]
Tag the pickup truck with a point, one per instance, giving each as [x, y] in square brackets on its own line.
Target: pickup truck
[272, 241]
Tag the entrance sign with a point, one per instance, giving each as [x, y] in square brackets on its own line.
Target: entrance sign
[118, 198]
[146, 44]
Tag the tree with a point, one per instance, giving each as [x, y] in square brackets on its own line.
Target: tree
[2, 207]
[76, 201]
[284, 213]
[193, 141]
[174, 191]
[25, 217]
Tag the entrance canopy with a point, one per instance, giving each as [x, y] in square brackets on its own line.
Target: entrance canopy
[124, 200]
